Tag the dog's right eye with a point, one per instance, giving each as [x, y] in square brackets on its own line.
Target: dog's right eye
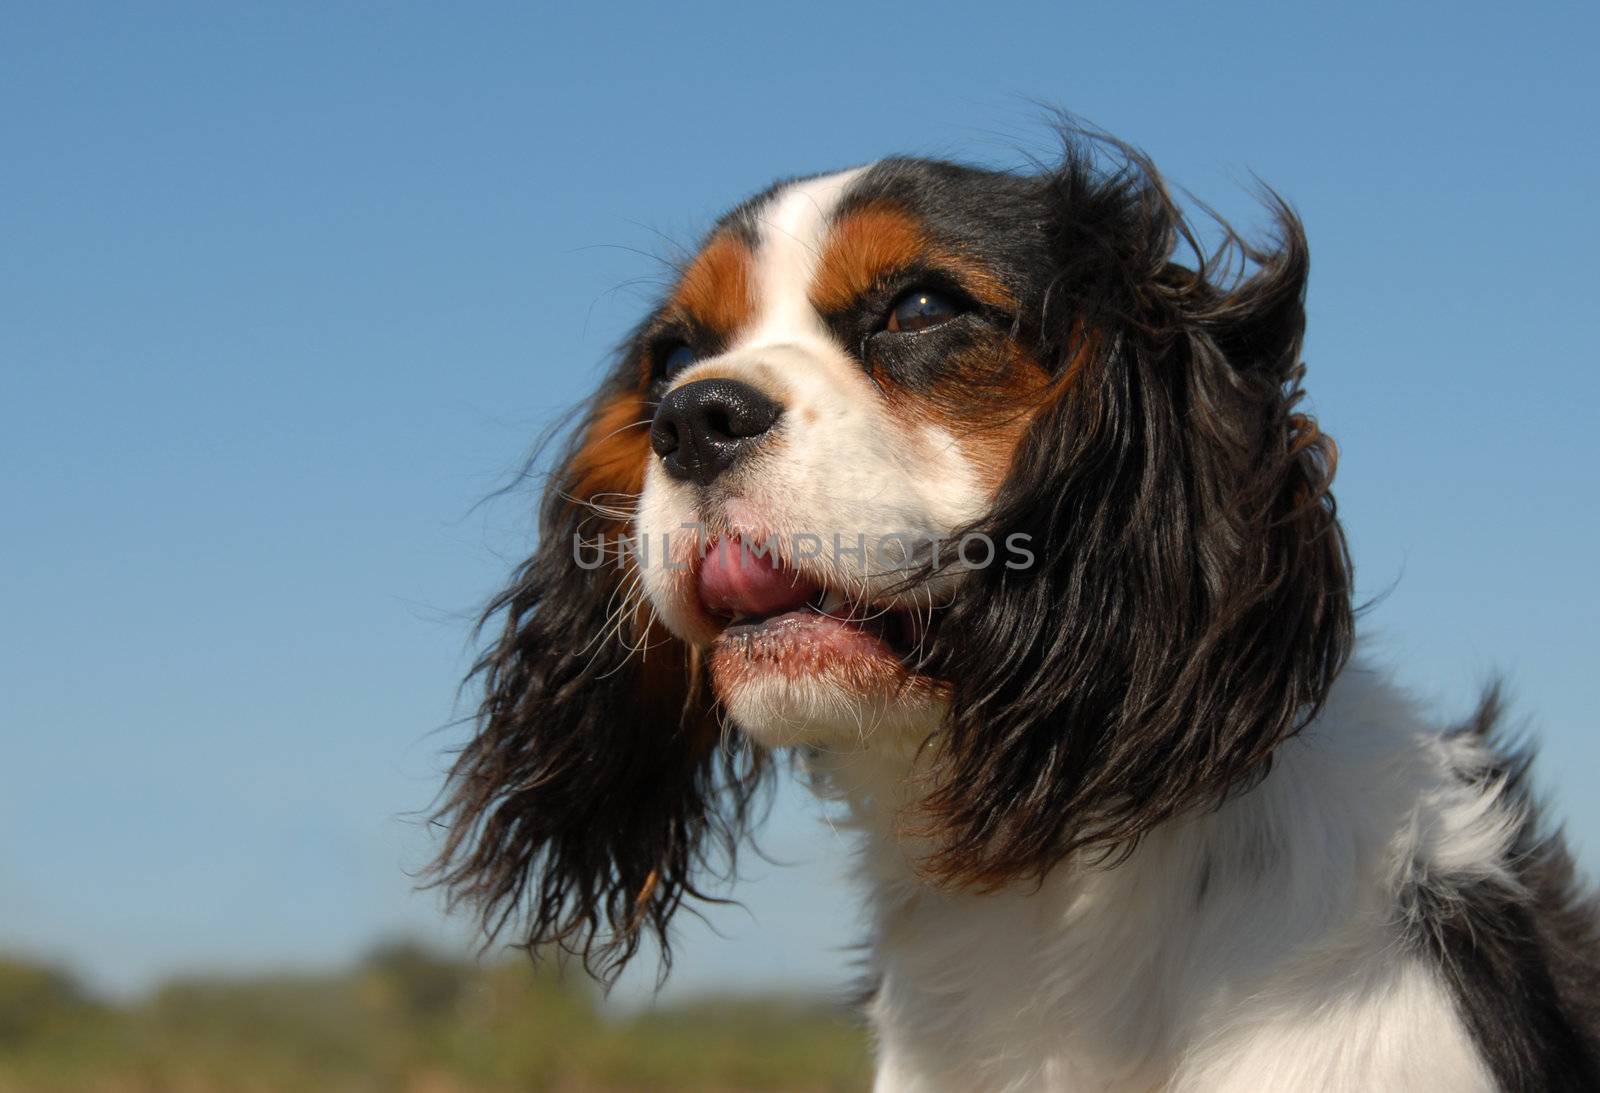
[920, 309]
[674, 359]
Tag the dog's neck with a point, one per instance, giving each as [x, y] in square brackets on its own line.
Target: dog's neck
[1197, 960]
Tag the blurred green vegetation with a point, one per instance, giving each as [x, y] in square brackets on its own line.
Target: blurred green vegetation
[408, 1020]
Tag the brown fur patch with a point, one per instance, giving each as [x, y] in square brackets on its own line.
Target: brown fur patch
[989, 397]
[718, 288]
[606, 475]
[876, 241]
[988, 416]
[612, 457]
[1306, 435]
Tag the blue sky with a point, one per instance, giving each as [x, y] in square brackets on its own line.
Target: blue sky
[285, 292]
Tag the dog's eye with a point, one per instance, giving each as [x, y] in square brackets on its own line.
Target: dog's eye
[675, 360]
[920, 309]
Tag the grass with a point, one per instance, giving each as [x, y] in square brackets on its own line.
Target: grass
[407, 1020]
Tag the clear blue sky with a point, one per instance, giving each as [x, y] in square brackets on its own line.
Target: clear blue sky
[286, 290]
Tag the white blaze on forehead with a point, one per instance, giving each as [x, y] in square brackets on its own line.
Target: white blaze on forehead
[792, 230]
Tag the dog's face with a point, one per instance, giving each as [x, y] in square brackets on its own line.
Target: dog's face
[838, 392]
[925, 457]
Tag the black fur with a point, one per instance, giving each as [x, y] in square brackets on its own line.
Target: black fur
[593, 797]
[1191, 601]
[1522, 959]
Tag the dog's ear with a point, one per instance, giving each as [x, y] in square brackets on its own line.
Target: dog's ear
[1189, 604]
[594, 791]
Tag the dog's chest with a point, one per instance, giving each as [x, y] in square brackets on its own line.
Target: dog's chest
[1052, 989]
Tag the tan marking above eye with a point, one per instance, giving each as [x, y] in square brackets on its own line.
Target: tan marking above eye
[717, 290]
[863, 247]
[879, 240]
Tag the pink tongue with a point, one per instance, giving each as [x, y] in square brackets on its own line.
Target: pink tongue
[736, 581]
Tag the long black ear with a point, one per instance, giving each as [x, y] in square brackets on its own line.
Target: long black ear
[1189, 604]
[594, 792]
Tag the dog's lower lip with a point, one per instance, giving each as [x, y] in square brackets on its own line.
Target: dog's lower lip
[881, 632]
[747, 624]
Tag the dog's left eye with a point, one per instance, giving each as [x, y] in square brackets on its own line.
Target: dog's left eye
[674, 360]
[920, 309]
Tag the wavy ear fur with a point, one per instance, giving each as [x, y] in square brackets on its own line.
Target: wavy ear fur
[1190, 602]
[594, 791]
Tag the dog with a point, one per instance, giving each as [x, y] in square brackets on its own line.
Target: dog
[987, 496]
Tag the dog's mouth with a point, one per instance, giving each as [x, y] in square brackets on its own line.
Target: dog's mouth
[775, 616]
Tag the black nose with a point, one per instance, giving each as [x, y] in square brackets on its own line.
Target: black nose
[703, 427]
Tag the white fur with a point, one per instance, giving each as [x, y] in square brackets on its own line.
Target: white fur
[1288, 972]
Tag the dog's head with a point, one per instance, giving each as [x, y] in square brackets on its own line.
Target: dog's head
[921, 457]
